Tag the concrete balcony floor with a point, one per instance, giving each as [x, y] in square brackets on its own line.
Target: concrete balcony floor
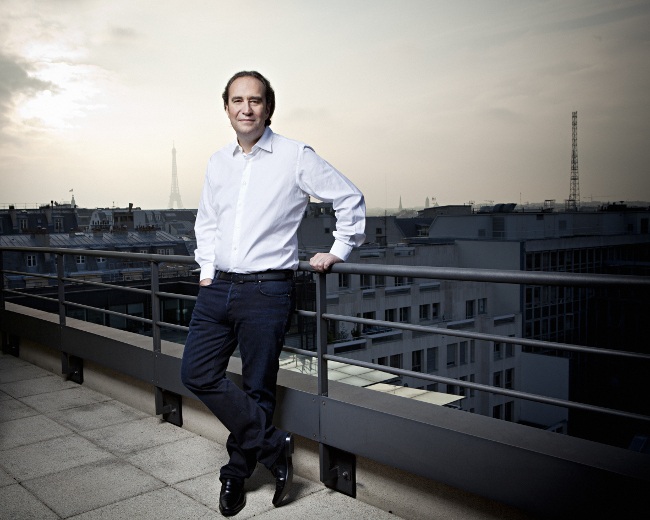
[69, 452]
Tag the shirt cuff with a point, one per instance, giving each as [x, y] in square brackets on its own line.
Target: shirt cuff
[207, 271]
[341, 250]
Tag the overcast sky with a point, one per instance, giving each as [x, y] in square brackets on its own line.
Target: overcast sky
[457, 101]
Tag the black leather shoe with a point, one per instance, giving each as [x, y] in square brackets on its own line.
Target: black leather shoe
[283, 471]
[232, 498]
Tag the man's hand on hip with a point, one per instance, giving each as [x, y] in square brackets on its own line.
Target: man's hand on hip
[321, 262]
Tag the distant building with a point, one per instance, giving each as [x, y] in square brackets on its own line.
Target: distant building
[88, 267]
[50, 218]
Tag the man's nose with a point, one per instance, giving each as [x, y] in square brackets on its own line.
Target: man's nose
[247, 107]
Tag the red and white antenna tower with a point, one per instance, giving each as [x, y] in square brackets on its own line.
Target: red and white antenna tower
[573, 202]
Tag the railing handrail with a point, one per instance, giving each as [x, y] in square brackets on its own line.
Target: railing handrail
[441, 273]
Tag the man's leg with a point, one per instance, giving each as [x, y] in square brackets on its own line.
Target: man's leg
[262, 312]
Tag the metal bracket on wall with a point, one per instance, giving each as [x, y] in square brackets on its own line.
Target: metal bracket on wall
[72, 367]
[170, 406]
[10, 344]
[338, 470]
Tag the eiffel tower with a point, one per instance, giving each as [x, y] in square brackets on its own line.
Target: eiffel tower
[175, 195]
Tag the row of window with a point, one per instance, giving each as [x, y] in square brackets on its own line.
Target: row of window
[32, 260]
[23, 224]
[368, 281]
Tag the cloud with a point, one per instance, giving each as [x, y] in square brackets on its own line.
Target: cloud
[15, 80]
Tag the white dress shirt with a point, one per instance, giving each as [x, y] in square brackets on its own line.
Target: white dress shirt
[252, 204]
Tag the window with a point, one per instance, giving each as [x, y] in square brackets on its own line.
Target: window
[31, 260]
[389, 315]
[23, 223]
[425, 312]
[366, 281]
[472, 379]
[101, 260]
[404, 314]
[498, 351]
[379, 231]
[482, 305]
[451, 354]
[496, 411]
[510, 378]
[508, 411]
[463, 352]
[469, 309]
[58, 224]
[145, 251]
[383, 361]
[368, 316]
[380, 281]
[435, 310]
[416, 361]
[403, 280]
[344, 281]
[496, 379]
[165, 251]
[510, 350]
[452, 389]
[472, 351]
[80, 259]
[396, 361]
[432, 360]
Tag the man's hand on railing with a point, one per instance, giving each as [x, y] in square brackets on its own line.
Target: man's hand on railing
[321, 262]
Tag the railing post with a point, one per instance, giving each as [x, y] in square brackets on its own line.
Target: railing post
[337, 467]
[60, 274]
[321, 333]
[71, 366]
[155, 308]
[168, 404]
[2, 273]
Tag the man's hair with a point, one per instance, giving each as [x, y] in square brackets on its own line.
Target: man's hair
[269, 94]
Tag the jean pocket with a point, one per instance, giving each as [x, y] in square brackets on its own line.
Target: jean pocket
[275, 288]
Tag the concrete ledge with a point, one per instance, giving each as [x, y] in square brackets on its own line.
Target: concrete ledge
[460, 455]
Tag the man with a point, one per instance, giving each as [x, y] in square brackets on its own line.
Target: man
[253, 200]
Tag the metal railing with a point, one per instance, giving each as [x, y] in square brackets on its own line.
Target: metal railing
[322, 316]
[500, 460]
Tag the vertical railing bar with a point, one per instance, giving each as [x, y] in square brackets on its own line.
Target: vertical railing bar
[321, 333]
[60, 274]
[2, 274]
[155, 307]
[155, 336]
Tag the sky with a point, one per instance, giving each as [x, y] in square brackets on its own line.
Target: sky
[455, 101]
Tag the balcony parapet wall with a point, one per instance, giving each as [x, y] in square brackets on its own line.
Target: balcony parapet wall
[414, 458]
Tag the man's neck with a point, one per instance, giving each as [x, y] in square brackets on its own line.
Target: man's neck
[247, 142]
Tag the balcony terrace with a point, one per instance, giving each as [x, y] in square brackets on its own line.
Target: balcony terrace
[87, 443]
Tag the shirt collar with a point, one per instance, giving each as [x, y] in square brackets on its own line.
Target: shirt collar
[265, 143]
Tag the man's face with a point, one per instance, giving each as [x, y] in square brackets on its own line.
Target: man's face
[247, 109]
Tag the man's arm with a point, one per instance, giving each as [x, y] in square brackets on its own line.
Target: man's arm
[320, 179]
[205, 229]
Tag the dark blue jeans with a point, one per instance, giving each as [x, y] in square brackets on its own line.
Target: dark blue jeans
[255, 316]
